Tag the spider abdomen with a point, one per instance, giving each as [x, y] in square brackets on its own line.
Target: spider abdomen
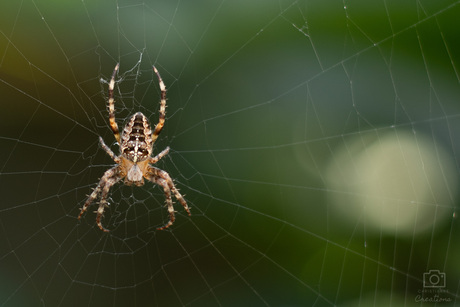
[136, 140]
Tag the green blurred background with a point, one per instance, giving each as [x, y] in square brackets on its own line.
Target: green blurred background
[316, 143]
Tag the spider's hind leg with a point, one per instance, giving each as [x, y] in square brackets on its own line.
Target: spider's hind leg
[113, 123]
[162, 115]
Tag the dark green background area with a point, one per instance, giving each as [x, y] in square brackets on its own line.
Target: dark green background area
[262, 96]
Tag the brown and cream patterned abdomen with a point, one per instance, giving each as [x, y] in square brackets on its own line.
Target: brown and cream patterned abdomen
[136, 140]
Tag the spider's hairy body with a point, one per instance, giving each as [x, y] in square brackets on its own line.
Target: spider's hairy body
[135, 171]
[136, 147]
[136, 140]
[135, 161]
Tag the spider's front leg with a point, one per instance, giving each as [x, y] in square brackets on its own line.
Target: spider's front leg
[173, 188]
[104, 194]
[91, 197]
[169, 203]
[163, 179]
[109, 178]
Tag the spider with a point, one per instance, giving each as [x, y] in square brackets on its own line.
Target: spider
[134, 162]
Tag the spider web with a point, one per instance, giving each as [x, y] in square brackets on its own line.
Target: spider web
[315, 142]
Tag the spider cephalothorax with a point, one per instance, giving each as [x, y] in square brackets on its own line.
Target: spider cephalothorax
[134, 161]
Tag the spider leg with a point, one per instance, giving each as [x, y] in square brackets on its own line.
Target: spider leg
[173, 188]
[103, 203]
[161, 121]
[113, 123]
[163, 179]
[92, 197]
[155, 159]
[169, 203]
[109, 151]
[109, 178]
